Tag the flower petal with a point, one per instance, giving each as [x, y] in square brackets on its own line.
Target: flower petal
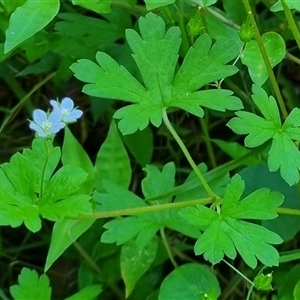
[57, 127]
[73, 116]
[67, 103]
[39, 116]
[55, 116]
[55, 104]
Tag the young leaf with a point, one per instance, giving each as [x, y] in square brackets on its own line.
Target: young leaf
[135, 261]
[112, 161]
[73, 154]
[36, 15]
[283, 154]
[64, 233]
[155, 53]
[226, 234]
[31, 286]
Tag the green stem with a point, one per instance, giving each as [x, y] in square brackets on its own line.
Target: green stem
[24, 99]
[266, 60]
[49, 147]
[292, 58]
[208, 144]
[144, 209]
[185, 40]
[238, 272]
[288, 211]
[291, 22]
[168, 249]
[187, 155]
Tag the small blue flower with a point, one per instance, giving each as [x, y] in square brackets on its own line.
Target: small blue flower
[45, 124]
[69, 113]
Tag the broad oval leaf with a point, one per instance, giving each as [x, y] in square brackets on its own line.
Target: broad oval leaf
[190, 281]
[252, 58]
[28, 19]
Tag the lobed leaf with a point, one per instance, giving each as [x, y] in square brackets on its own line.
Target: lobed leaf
[31, 286]
[283, 154]
[205, 63]
[40, 193]
[224, 233]
[155, 52]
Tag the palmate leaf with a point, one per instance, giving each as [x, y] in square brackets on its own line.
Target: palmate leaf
[225, 233]
[283, 154]
[28, 188]
[31, 286]
[155, 52]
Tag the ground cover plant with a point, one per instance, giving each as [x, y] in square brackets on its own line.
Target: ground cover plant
[149, 149]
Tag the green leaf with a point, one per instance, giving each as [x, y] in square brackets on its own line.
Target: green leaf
[283, 154]
[190, 281]
[292, 4]
[204, 2]
[143, 227]
[226, 234]
[259, 176]
[98, 6]
[116, 197]
[152, 4]
[64, 233]
[236, 150]
[73, 154]
[28, 19]
[252, 57]
[135, 261]
[112, 161]
[155, 52]
[31, 286]
[80, 35]
[205, 63]
[157, 182]
[88, 293]
[259, 205]
[143, 150]
[38, 192]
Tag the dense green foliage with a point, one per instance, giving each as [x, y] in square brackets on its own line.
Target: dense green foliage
[190, 190]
